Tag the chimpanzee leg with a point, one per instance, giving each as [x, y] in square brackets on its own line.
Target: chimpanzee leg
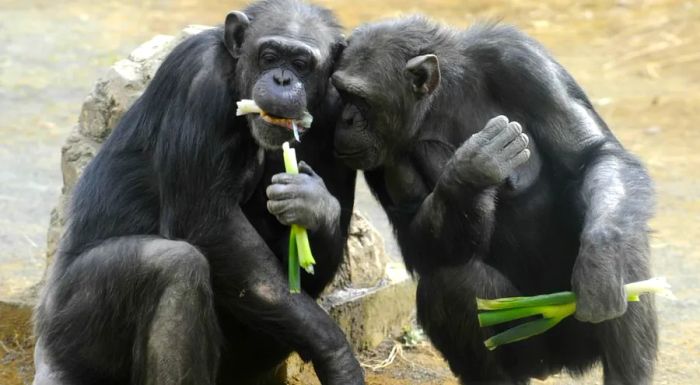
[182, 343]
[133, 310]
[629, 345]
[447, 312]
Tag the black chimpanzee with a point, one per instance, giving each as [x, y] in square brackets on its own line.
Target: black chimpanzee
[545, 202]
[171, 269]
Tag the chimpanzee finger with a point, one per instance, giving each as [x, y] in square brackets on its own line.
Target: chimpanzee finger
[304, 168]
[516, 146]
[283, 178]
[507, 135]
[520, 158]
[494, 127]
[280, 192]
[287, 218]
[277, 207]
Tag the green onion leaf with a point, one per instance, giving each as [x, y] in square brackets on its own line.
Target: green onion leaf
[521, 332]
[299, 247]
[560, 298]
[293, 263]
[495, 317]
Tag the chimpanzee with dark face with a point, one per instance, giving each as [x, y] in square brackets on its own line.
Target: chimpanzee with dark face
[500, 180]
[172, 269]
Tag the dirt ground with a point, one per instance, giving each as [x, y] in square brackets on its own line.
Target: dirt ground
[639, 62]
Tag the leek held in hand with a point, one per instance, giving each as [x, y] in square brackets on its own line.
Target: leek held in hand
[299, 247]
[552, 308]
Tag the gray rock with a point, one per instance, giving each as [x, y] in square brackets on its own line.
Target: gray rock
[151, 49]
[76, 153]
[112, 96]
[365, 257]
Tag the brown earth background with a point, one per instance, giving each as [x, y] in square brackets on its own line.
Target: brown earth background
[639, 62]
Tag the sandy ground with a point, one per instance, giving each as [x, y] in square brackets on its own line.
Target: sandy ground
[639, 61]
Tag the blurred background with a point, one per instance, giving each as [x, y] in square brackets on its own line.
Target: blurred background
[639, 62]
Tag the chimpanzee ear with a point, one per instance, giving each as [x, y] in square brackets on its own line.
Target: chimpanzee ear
[424, 74]
[338, 48]
[234, 29]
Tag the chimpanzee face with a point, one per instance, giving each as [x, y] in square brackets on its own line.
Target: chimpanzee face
[383, 87]
[284, 62]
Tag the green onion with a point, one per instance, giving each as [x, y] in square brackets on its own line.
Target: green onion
[521, 332]
[299, 246]
[552, 308]
[515, 302]
[294, 268]
[496, 317]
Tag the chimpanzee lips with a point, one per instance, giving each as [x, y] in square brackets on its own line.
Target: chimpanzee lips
[282, 122]
[248, 106]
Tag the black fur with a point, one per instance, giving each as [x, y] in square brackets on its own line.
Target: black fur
[171, 269]
[567, 211]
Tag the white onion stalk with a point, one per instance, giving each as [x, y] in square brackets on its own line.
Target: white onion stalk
[247, 106]
[656, 285]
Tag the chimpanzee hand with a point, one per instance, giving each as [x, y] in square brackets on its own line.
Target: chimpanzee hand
[597, 277]
[488, 157]
[302, 199]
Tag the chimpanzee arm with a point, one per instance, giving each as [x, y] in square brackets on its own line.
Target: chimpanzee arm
[616, 195]
[453, 225]
[456, 219]
[249, 282]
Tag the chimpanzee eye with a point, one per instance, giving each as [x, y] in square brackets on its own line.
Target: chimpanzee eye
[300, 65]
[268, 58]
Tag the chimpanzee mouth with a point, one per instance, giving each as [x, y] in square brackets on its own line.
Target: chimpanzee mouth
[348, 154]
[297, 126]
[278, 121]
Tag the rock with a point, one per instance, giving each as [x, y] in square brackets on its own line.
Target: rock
[365, 257]
[191, 30]
[368, 316]
[76, 153]
[151, 49]
[112, 96]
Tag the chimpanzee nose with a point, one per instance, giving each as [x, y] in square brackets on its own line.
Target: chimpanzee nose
[282, 78]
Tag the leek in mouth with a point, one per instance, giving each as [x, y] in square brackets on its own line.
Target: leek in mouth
[248, 106]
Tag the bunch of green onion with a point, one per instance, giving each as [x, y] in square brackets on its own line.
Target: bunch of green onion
[299, 248]
[552, 308]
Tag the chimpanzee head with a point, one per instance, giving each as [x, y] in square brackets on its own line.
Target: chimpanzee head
[385, 78]
[284, 51]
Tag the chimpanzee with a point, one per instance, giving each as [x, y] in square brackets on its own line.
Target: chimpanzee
[500, 179]
[171, 268]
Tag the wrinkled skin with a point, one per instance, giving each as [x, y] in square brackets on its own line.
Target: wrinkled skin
[500, 179]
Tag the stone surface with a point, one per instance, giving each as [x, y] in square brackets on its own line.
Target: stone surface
[365, 257]
[369, 315]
